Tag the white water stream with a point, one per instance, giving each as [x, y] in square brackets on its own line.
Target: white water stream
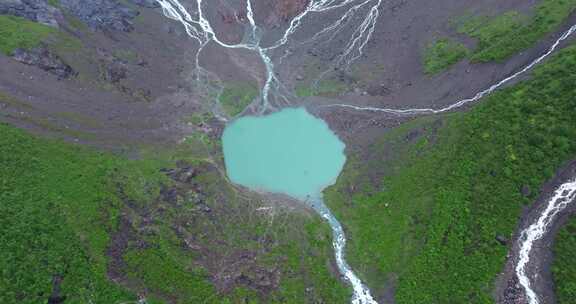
[273, 91]
[564, 195]
[361, 293]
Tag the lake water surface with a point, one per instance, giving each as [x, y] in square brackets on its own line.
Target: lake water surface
[290, 152]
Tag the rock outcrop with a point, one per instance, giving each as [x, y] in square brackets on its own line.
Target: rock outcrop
[114, 72]
[45, 60]
[146, 3]
[97, 14]
[102, 14]
[34, 10]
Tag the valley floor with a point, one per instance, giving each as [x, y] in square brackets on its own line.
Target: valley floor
[135, 204]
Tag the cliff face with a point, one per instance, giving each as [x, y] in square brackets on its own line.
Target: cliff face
[97, 14]
[102, 14]
[35, 10]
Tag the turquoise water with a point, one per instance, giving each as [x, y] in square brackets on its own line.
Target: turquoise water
[290, 152]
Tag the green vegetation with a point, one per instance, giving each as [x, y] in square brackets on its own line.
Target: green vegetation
[162, 269]
[503, 36]
[63, 205]
[314, 265]
[303, 90]
[453, 185]
[498, 37]
[237, 96]
[564, 265]
[45, 123]
[16, 32]
[315, 81]
[199, 118]
[441, 54]
[57, 212]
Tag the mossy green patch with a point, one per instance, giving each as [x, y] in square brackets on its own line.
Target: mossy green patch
[16, 32]
[126, 55]
[502, 36]
[325, 87]
[564, 265]
[441, 54]
[159, 271]
[235, 97]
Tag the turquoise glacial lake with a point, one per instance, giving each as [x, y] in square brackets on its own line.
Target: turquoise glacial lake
[290, 152]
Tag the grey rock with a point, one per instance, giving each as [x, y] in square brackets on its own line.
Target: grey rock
[204, 208]
[378, 90]
[102, 14]
[34, 10]
[146, 3]
[97, 14]
[502, 240]
[184, 173]
[115, 72]
[513, 293]
[45, 60]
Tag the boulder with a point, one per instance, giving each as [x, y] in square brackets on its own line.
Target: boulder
[42, 58]
[502, 240]
[115, 71]
[378, 90]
